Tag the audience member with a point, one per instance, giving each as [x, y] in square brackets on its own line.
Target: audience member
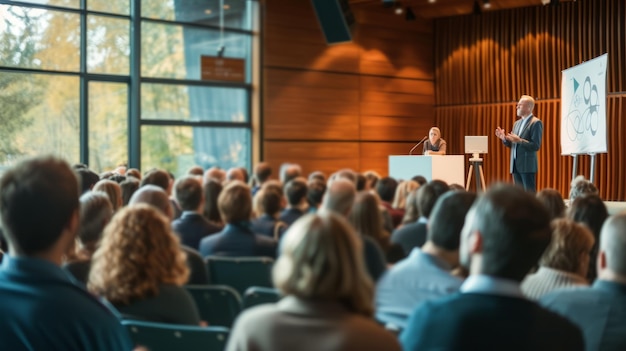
[268, 202]
[212, 189]
[133, 172]
[421, 180]
[386, 190]
[157, 198]
[414, 234]
[42, 308]
[215, 173]
[367, 218]
[113, 191]
[237, 238]
[371, 179]
[328, 296]
[581, 187]
[289, 171]
[339, 198]
[191, 227]
[195, 171]
[505, 233]
[553, 201]
[317, 175]
[165, 181]
[88, 178]
[128, 187]
[140, 268]
[235, 173]
[591, 211]
[402, 193]
[426, 273]
[95, 213]
[565, 261]
[315, 193]
[600, 310]
[262, 173]
[297, 205]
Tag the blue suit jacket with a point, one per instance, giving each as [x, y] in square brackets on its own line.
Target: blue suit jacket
[472, 321]
[599, 310]
[236, 241]
[526, 160]
[193, 227]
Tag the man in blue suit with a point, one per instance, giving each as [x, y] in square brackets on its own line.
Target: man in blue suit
[600, 310]
[505, 233]
[524, 141]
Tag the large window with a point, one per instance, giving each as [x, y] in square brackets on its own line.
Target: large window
[101, 86]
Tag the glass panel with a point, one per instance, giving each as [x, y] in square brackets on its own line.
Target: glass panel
[176, 148]
[172, 51]
[120, 7]
[192, 103]
[108, 45]
[74, 4]
[39, 116]
[108, 125]
[42, 39]
[236, 12]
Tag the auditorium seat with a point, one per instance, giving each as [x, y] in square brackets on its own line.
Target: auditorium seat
[240, 273]
[167, 337]
[218, 305]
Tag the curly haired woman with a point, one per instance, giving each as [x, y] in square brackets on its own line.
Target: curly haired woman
[140, 268]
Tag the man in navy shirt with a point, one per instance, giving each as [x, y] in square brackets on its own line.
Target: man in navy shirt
[42, 308]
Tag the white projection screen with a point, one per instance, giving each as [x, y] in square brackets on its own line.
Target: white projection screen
[583, 108]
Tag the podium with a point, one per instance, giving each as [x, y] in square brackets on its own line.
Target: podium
[449, 168]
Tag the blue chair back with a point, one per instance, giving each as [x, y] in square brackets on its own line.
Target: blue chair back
[218, 305]
[240, 273]
[257, 295]
[167, 337]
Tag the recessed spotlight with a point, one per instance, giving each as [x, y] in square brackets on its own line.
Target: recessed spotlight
[486, 4]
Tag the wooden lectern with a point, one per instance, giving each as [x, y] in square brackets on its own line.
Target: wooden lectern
[449, 168]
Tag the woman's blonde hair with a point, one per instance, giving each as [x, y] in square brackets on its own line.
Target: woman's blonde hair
[570, 240]
[322, 258]
[138, 253]
[402, 193]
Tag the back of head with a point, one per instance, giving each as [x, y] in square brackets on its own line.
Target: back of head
[154, 196]
[268, 200]
[613, 244]
[96, 211]
[262, 172]
[339, 196]
[188, 193]
[133, 172]
[421, 180]
[212, 189]
[129, 186]
[590, 210]
[402, 193]
[553, 201]
[157, 177]
[235, 202]
[88, 178]
[317, 175]
[295, 191]
[447, 219]
[321, 259]
[43, 186]
[138, 254]
[315, 193]
[386, 189]
[113, 191]
[569, 248]
[514, 227]
[216, 174]
[195, 171]
[371, 178]
[366, 216]
[427, 196]
[235, 173]
[581, 187]
[289, 171]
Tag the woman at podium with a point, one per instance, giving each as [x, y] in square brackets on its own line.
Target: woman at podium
[434, 145]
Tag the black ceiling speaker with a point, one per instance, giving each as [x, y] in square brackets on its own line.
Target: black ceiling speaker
[335, 18]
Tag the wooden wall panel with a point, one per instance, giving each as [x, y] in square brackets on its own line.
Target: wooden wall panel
[484, 63]
[346, 105]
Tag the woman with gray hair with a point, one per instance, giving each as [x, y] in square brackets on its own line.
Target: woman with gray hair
[328, 296]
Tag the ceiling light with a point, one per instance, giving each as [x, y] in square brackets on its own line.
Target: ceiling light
[486, 4]
[432, 1]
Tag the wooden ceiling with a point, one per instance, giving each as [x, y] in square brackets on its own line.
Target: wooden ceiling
[447, 8]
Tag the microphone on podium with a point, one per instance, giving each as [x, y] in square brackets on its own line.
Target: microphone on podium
[418, 144]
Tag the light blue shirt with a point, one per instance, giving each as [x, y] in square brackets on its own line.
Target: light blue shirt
[417, 278]
[485, 284]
